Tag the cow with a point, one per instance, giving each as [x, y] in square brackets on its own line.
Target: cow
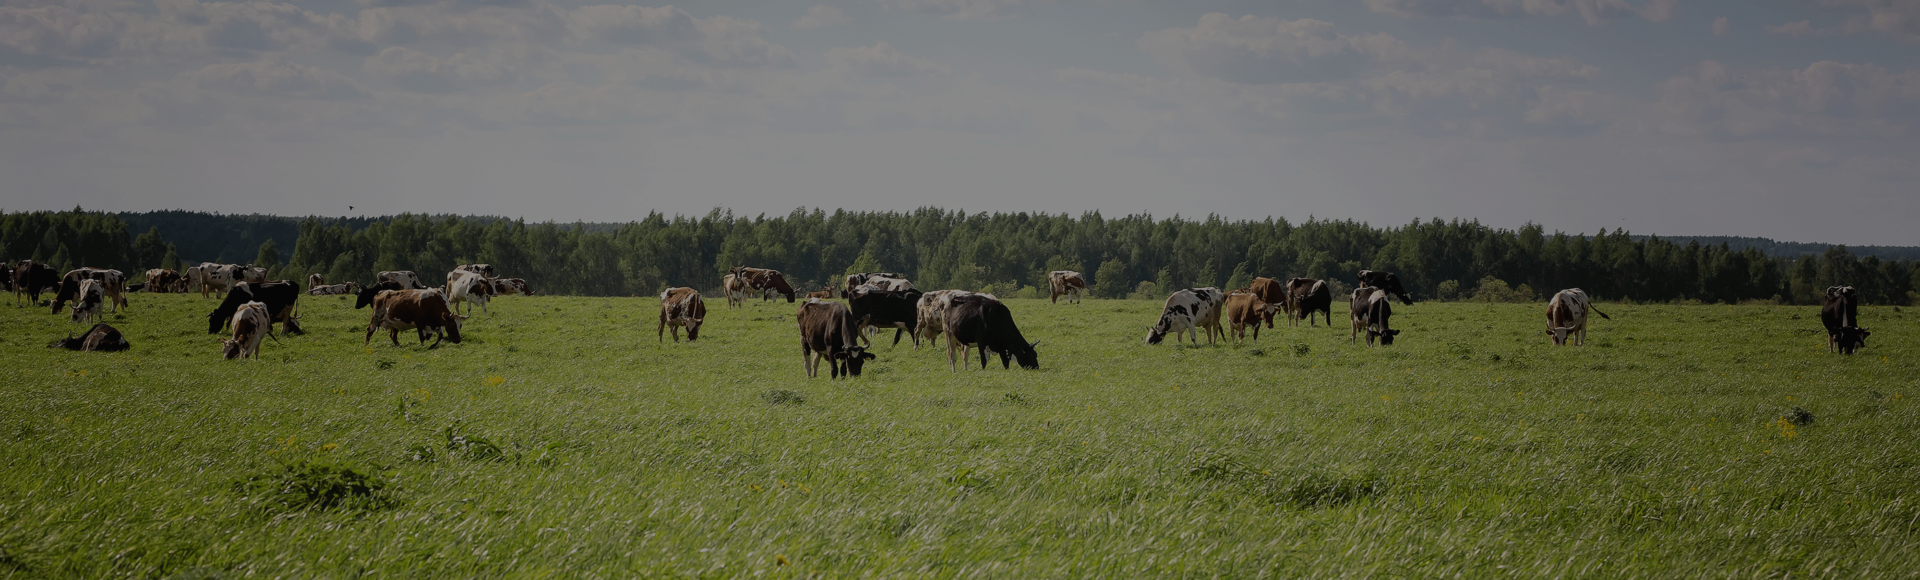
[883, 280]
[253, 274]
[279, 296]
[823, 293]
[86, 301]
[1567, 316]
[136, 287]
[101, 338]
[484, 270]
[405, 278]
[1305, 295]
[1385, 281]
[1274, 294]
[1186, 311]
[506, 286]
[467, 287]
[1840, 313]
[334, 289]
[880, 308]
[827, 333]
[1065, 283]
[424, 311]
[217, 278]
[980, 321]
[250, 323]
[366, 295]
[1372, 309]
[315, 281]
[1244, 308]
[30, 278]
[763, 281]
[196, 279]
[162, 280]
[735, 289]
[930, 313]
[113, 286]
[681, 307]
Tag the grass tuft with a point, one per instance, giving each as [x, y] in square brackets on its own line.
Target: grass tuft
[314, 485]
[783, 397]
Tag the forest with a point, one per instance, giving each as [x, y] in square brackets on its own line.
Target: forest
[1135, 256]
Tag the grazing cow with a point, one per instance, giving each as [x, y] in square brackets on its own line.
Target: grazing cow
[334, 289]
[136, 287]
[162, 280]
[100, 338]
[1372, 309]
[86, 301]
[422, 310]
[880, 308]
[827, 331]
[279, 296]
[1385, 281]
[980, 321]
[763, 281]
[1188, 310]
[1247, 309]
[1567, 316]
[113, 286]
[366, 295]
[1306, 295]
[1065, 283]
[681, 307]
[315, 281]
[467, 287]
[250, 323]
[484, 270]
[253, 274]
[824, 293]
[30, 278]
[930, 313]
[883, 280]
[506, 286]
[1840, 313]
[217, 278]
[405, 278]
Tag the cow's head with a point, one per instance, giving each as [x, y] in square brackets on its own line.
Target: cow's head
[453, 327]
[1851, 339]
[693, 329]
[854, 357]
[229, 348]
[1028, 357]
[1559, 334]
[1156, 333]
[1385, 336]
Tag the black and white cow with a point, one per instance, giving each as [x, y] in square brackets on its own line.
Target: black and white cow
[1385, 281]
[86, 301]
[278, 296]
[1840, 313]
[100, 338]
[978, 321]
[880, 308]
[1186, 311]
[405, 278]
[334, 289]
[882, 280]
[1372, 312]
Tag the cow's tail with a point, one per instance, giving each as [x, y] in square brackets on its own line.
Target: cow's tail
[1597, 311]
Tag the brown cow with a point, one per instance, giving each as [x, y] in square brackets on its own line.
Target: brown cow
[422, 310]
[30, 277]
[681, 307]
[823, 293]
[1244, 309]
[829, 332]
[1065, 283]
[763, 281]
[1275, 294]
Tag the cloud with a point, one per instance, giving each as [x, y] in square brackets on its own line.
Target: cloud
[1559, 106]
[1825, 99]
[59, 31]
[1800, 28]
[1258, 49]
[820, 15]
[715, 39]
[1721, 27]
[1897, 18]
[1596, 12]
[977, 10]
[418, 71]
[881, 60]
[275, 77]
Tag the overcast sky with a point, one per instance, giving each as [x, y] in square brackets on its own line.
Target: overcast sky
[1791, 119]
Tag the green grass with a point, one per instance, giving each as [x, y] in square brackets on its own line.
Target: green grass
[561, 440]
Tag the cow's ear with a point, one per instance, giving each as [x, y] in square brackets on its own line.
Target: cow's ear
[1034, 344]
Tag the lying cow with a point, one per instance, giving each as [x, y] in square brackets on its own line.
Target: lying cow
[882, 280]
[250, 324]
[405, 278]
[1186, 311]
[1246, 309]
[1065, 283]
[253, 274]
[681, 307]
[280, 298]
[828, 333]
[334, 289]
[86, 301]
[980, 321]
[507, 286]
[469, 288]
[1840, 313]
[424, 311]
[881, 308]
[1372, 311]
[1567, 316]
[101, 338]
[1385, 281]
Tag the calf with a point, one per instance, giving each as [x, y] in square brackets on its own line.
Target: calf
[681, 307]
[86, 301]
[30, 278]
[467, 287]
[1567, 316]
[1065, 283]
[980, 321]
[1188, 310]
[1372, 311]
[827, 332]
[405, 278]
[1385, 281]
[279, 296]
[1840, 313]
[334, 289]
[250, 323]
[881, 308]
[100, 338]
[1246, 309]
[422, 310]
[1305, 295]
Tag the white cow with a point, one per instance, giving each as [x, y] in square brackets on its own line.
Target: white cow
[1567, 316]
[1186, 311]
[469, 287]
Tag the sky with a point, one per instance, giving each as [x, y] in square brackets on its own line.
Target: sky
[1789, 119]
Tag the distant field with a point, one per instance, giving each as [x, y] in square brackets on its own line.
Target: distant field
[562, 440]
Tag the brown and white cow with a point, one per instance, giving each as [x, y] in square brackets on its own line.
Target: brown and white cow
[1840, 313]
[1567, 316]
[1274, 293]
[250, 324]
[829, 332]
[679, 307]
[1244, 309]
[735, 289]
[1372, 311]
[1065, 283]
[469, 288]
[422, 310]
[315, 281]
[764, 281]
[508, 286]
[86, 301]
[405, 278]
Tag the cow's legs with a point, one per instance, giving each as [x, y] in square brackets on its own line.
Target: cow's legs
[806, 359]
[983, 356]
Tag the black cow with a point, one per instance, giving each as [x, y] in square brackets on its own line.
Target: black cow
[985, 323]
[366, 295]
[30, 277]
[100, 338]
[887, 309]
[1385, 281]
[280, 297]
[1840, 312]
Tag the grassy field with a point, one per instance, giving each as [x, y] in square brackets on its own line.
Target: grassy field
[560, 440]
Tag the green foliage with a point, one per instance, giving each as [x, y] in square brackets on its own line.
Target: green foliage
[315, 485]
[1239, 279]
[1111, 281]
[1493, 289]
[1448, 290]
[268, 257]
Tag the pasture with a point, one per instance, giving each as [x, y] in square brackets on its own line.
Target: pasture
[562, 440]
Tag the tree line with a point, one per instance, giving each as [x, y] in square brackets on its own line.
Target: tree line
[1005, 253]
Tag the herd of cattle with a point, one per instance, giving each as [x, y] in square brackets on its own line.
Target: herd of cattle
[834, 332]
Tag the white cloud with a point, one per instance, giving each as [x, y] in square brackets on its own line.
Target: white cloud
[1897, 18]
[714, 39]
[1258, 49]
[419, 71]
[881, 60]
[1722, 27]
[1595, 12]
[1825, 99]
[275, 77]
[978, 10]
[1558, 106]
[1801, 28]
[820, 15]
